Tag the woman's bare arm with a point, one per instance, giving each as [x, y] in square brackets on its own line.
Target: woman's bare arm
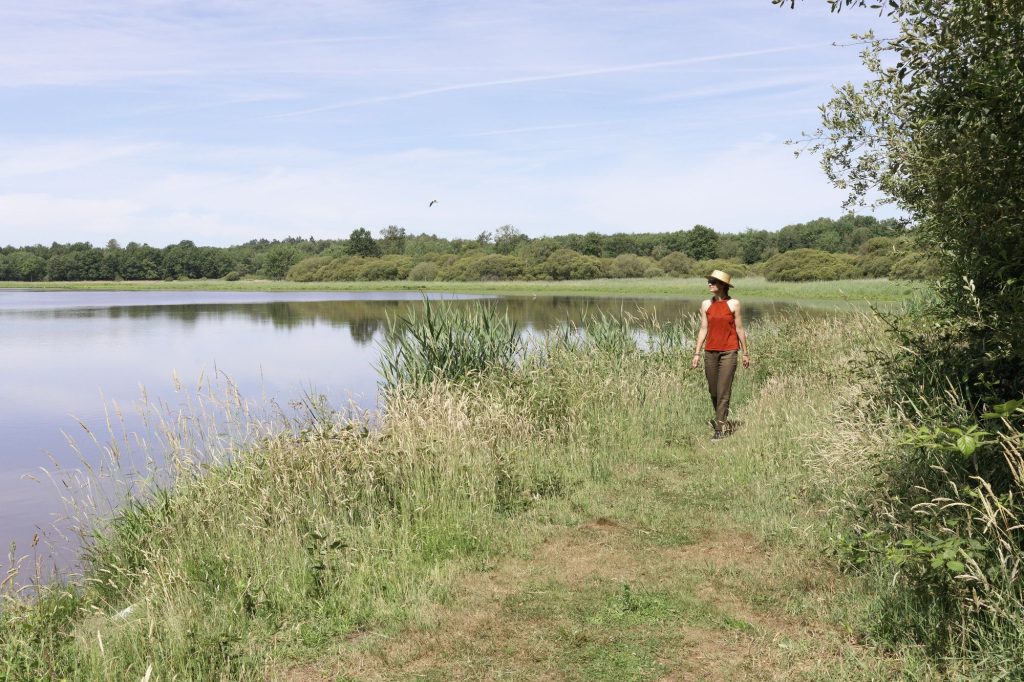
[701, 335]
[741, 333]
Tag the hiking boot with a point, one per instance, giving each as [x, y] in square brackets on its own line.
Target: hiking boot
[718, 435]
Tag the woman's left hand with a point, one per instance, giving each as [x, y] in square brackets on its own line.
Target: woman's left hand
[746, 361]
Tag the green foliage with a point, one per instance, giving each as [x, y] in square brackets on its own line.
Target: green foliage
[310, 269]
[536, 251]
[703, 268]
[386, 268]
[802, 265]
[392, 241]
[701, 243]
[844, 235]
[567, 264]
[482, 267]
[423, 272]
[629, 265]
[278, 259]
[362, 243]
[757, 245]
[916, 265]
[275, 259]
[507, 239]
[938, 130]
[22, 266]
[876, 256]
[447, 342]
[678, 264]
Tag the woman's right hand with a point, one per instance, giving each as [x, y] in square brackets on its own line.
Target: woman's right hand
[695, 362]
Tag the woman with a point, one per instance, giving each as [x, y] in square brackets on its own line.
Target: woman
[723, 338]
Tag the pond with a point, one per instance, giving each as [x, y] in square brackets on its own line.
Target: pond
[78, 365]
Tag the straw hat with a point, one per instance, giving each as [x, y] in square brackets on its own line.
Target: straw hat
[723, 277]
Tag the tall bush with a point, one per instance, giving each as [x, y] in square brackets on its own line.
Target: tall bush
[678, 264]
[567, 264]
[937, 130]
[803, 265]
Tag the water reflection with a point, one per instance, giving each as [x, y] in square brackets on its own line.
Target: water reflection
[366, 319]
[67, 356]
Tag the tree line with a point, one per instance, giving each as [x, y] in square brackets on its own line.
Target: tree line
[505, 253]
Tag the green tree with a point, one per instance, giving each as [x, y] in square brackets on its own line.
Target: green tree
[392, 240]
[507, 239]
[701, 243]
[618, 244]
[939, 130]
[277, 261]
[23, 266]
[361, 243]
[756, 245]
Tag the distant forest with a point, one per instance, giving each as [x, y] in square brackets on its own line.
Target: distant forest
[850, 247]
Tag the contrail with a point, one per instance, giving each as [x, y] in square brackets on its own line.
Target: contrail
[645, 66]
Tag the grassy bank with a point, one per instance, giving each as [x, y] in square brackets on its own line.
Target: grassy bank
[313, 553]
[876, 290]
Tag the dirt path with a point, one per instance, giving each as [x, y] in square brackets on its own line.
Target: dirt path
[613, 600]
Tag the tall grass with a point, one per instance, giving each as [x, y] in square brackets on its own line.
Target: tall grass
[328, 524]
[447, 342]
[322, 526]
[931, 502]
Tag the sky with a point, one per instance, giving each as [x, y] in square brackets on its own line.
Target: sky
[221, 121]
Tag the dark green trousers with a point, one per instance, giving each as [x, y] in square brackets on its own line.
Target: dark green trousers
[720, 368]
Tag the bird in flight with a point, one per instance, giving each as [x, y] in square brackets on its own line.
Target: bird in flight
[432, 202]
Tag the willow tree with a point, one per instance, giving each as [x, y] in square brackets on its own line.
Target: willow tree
[938, 130]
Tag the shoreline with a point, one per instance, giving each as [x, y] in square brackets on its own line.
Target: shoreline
[754, 288]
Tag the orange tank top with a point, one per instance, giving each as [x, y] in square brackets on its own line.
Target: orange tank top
[721, 328]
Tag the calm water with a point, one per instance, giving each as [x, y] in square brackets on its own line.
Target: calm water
[70, 359]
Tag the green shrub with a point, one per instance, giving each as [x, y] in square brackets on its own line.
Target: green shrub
[803, 265]
[915, 265]
[703, 268]
[423, 272]
[876, 256]
[478, 266]
[537, 251]
[232, 276]
[343, 269]
[630, 265]
[309, 269]
[678, 264]
[567, 264]
[387, 268]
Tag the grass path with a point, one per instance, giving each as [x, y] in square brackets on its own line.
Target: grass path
[568, 520]
[699, 561]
